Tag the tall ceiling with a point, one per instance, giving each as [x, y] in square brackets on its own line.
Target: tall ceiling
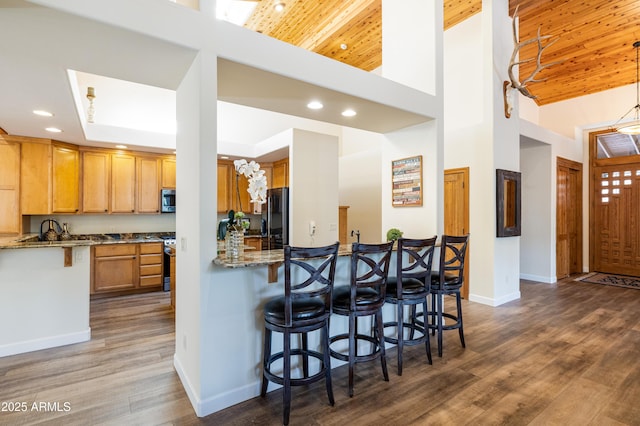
[595, 37]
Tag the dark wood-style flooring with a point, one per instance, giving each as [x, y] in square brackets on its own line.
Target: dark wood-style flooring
[564, 354]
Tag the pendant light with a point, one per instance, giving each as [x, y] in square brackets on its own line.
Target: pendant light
[633, 128]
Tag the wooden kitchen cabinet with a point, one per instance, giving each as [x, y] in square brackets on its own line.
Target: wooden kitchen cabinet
[148, 185]
[10, 223]
[114, 267]
[232, 192]
[49, 177]
[280, 173]
[151, 266]
[65, 182]
[169, 173]
[123, 184]
[127, 267]
[96, 171]
[224, 187]
[254, 242]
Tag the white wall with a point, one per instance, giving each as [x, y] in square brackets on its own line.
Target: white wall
[416, 221]
[360, 183]
[43, 304]
[410, 41]
[538, 221]
[313, 188]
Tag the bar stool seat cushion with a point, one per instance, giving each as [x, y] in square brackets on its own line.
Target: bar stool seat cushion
[450, 281]
[364, 296]
[302, 309]
[409, 286]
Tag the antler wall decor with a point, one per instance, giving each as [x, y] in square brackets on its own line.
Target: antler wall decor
[508, 87]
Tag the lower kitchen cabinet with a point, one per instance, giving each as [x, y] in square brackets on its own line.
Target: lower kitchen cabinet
[253, 242]
[151, 255]
[133, 267]
[114, 267]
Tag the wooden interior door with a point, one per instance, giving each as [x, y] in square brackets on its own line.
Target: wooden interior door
[568, 218]
[456, 212]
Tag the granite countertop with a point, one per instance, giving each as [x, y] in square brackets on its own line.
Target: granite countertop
[264, 257]
[31, 240]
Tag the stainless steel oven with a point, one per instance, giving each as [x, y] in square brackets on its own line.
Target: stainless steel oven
[168, 200]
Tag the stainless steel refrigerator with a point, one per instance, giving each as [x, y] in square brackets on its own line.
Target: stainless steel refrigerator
[275, 219]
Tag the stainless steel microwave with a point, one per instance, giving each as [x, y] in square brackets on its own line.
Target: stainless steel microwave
[168, 200]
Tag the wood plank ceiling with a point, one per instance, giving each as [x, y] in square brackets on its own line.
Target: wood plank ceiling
[595, 37]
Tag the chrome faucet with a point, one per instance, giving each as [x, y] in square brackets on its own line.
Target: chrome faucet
[357, 233]
[51, 222]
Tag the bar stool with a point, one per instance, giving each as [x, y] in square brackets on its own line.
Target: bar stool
[410, 287]
[447, 281]
[304, 307]
[364, 297]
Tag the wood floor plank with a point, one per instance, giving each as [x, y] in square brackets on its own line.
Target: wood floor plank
[563, 354]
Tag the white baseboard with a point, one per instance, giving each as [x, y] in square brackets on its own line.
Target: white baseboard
[494, 302]
[538, 278]
[218, 402]
[45, 343]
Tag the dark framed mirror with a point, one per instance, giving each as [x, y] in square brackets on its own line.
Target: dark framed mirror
[508, 201]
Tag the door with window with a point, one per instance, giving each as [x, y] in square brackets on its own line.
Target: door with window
[615, 204]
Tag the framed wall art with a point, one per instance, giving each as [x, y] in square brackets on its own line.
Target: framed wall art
[406, 181]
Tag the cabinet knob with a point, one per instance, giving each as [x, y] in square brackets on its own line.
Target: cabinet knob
[132, 211]
[105, 210]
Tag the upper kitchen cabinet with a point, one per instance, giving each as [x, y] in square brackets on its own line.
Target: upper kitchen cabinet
[149, 184]
[169, 173]
[232, 189]
[49, 177]
[224, 187]
[9, 188]
[280, 174]
[96, 174]
[123, 183]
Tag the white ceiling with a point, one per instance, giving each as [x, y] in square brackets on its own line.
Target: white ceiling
[49, 58]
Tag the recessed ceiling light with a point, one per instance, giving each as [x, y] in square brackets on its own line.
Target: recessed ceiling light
[224, 157]
[343, 46]
[348, 113]
[53, 130]
[279, 7]
[121, 146]
[42, 113]
[315, 105]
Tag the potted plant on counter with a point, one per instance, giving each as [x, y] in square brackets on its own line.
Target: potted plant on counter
[393, 234]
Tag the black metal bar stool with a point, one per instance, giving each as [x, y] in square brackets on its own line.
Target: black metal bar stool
[364, 297]
[306, 306]
[448, 280]
[410, 286]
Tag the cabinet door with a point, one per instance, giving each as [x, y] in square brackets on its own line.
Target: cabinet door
[148, 177]
[224, 187]
[95, 182]
[35, 169]
[65, 183]
[9, 188]
[115, 267]
[123, 183]
[240, 195]
[169, 173]
[281, 173]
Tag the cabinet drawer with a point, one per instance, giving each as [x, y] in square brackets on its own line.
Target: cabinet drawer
[115, 250]
[150, 270]
[151, 248]
[151, 259]
[153, 280]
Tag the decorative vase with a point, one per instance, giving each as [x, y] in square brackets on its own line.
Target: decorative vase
[51, 234]
[234, 241]
[65, 235]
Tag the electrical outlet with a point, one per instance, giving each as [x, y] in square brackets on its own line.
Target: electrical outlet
[79, 256]
[183, 243]
[312, 228]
